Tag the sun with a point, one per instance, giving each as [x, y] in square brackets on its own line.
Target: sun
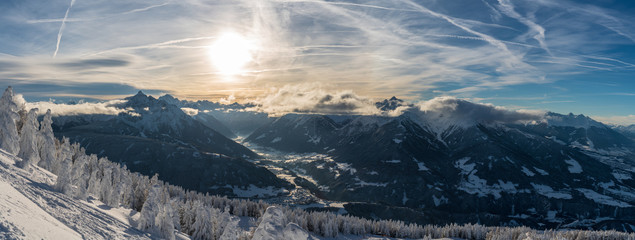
[230, 53]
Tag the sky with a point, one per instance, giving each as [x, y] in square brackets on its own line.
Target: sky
[562, 56]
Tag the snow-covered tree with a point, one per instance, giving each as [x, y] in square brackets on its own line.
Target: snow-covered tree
[140, 186]
[113, 199]
[187, 212]
[231, 231]
[165, 221]
[106, 188]
[156, 214]
[29, 140]
[202, 227]
[150, 210]
[80, 176]
[63, 166]
[125, 188]
[46, 142]
[96, 174]
[9, 139]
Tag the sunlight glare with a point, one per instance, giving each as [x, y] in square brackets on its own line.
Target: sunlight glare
[230, 53]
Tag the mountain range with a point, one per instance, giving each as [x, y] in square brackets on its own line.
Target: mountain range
[561, 170]
[453, 162]
[159, 138]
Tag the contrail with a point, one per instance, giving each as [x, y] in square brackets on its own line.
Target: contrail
[59, 34]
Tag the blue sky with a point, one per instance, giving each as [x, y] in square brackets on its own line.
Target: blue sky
[563, 56]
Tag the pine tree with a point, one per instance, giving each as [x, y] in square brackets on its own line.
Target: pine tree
[9, 139]
[150, 210]
[114, 198]
[46, 142]
[106, 188]
[64, 165]
[231, 231]
[96, 174]
[202, 227]
[80, 176]
[29, 140]
[165, 221]
[140, 186]
[125, 188]
[187, 211]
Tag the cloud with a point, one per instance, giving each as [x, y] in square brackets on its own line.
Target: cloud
[67, 19]
[537, 31]
[190, 111]
[229, 100]
[412, 49]
[440, 112]
[106, 108]
[312, 98]
[6, 65]
[93, 63]
[624, 120]
[444, 112]
[61, 31]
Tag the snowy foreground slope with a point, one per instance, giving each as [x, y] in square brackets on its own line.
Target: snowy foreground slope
[31, 209]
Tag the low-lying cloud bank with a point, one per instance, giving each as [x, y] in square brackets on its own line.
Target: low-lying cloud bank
[311, 98]
[442, 113]
[617, 120]
[63, 109]
[439, 112]
[464, 112]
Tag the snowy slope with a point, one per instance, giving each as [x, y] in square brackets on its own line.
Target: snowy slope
[20, 217]
[31, 209]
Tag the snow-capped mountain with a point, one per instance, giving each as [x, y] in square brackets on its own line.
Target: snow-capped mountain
[229, 119]
[628, 131]
[52, 189]
[206, 119]
[296, 133]
[391, 104]
[158, 137]
[450, 166]
[572, 120]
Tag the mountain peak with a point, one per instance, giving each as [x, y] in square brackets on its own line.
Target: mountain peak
[170, 99]
[390, 104]
[139, 100]
[167, 96]
[572, 120]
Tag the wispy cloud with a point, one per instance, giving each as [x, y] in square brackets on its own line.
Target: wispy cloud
[537, 31]
[624, 120]
[412, 49]
[61, 31]
[66, 19]
[94, 63]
